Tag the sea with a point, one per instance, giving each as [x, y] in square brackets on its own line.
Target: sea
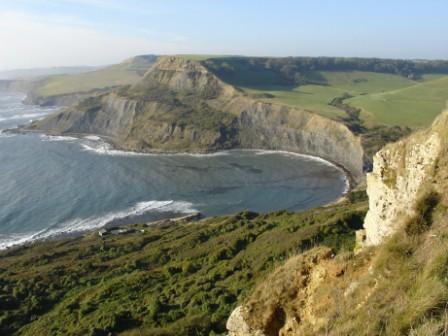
[52, 186]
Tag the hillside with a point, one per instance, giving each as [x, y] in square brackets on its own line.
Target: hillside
[312, 273]
[388, 92]
[172, 278]
[68, 89]
[179, 105]
[397, 282]
[417, 105]
[280, 273]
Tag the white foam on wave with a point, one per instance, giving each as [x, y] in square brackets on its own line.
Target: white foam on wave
[92, 137]
[23, 116]
[309, 158]
[79, 225]
[103, 148]
[51, 138]
[4, 134]
[292, 154]
[18, 239]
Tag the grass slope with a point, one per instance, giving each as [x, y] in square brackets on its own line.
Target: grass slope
[314, 98]
[384, 99]
[125, 73]
[329, 85]
[172, 279]
[397, 288]
[414, 106]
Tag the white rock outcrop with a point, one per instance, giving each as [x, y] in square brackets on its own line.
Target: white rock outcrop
[237, 325]
[399, 172]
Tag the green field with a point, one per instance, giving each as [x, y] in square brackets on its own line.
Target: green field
[415, 106]
[125, 73]
[384, 98]
[314, 98]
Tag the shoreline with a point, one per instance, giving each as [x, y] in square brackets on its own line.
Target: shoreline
[348, 180]
[115, 149]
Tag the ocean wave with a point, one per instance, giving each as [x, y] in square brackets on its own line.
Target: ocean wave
[17, 239]
[23, 116]
[4, 134]
[307, 157]
[92, 137]
[51, 138]
[80, 225]
[103, 148]
[293, 154]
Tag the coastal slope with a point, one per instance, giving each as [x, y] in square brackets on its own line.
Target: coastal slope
[396, 284]
[179, 105]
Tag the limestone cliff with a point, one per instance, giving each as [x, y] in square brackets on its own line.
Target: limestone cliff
[181, 106]
[402, 172]
[397, 286]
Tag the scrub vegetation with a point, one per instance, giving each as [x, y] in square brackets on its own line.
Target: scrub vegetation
[172, 278]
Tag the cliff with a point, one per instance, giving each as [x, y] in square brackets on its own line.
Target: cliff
[179, 105]
[397, 284]
[402, 174]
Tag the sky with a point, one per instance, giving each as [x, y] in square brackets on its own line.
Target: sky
[47, 33]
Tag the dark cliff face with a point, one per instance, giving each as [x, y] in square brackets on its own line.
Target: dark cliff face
[181, 106]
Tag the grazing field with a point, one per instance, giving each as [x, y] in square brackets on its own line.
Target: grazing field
[415, 106]
[314, 98]
[383, 98]
[124, 73]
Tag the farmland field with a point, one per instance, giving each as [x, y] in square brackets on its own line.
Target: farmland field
[415, 106]
[383, 98]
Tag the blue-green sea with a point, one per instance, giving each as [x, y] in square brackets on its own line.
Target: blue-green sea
[55, 185]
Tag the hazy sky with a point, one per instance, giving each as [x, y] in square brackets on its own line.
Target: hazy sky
[41, 33]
